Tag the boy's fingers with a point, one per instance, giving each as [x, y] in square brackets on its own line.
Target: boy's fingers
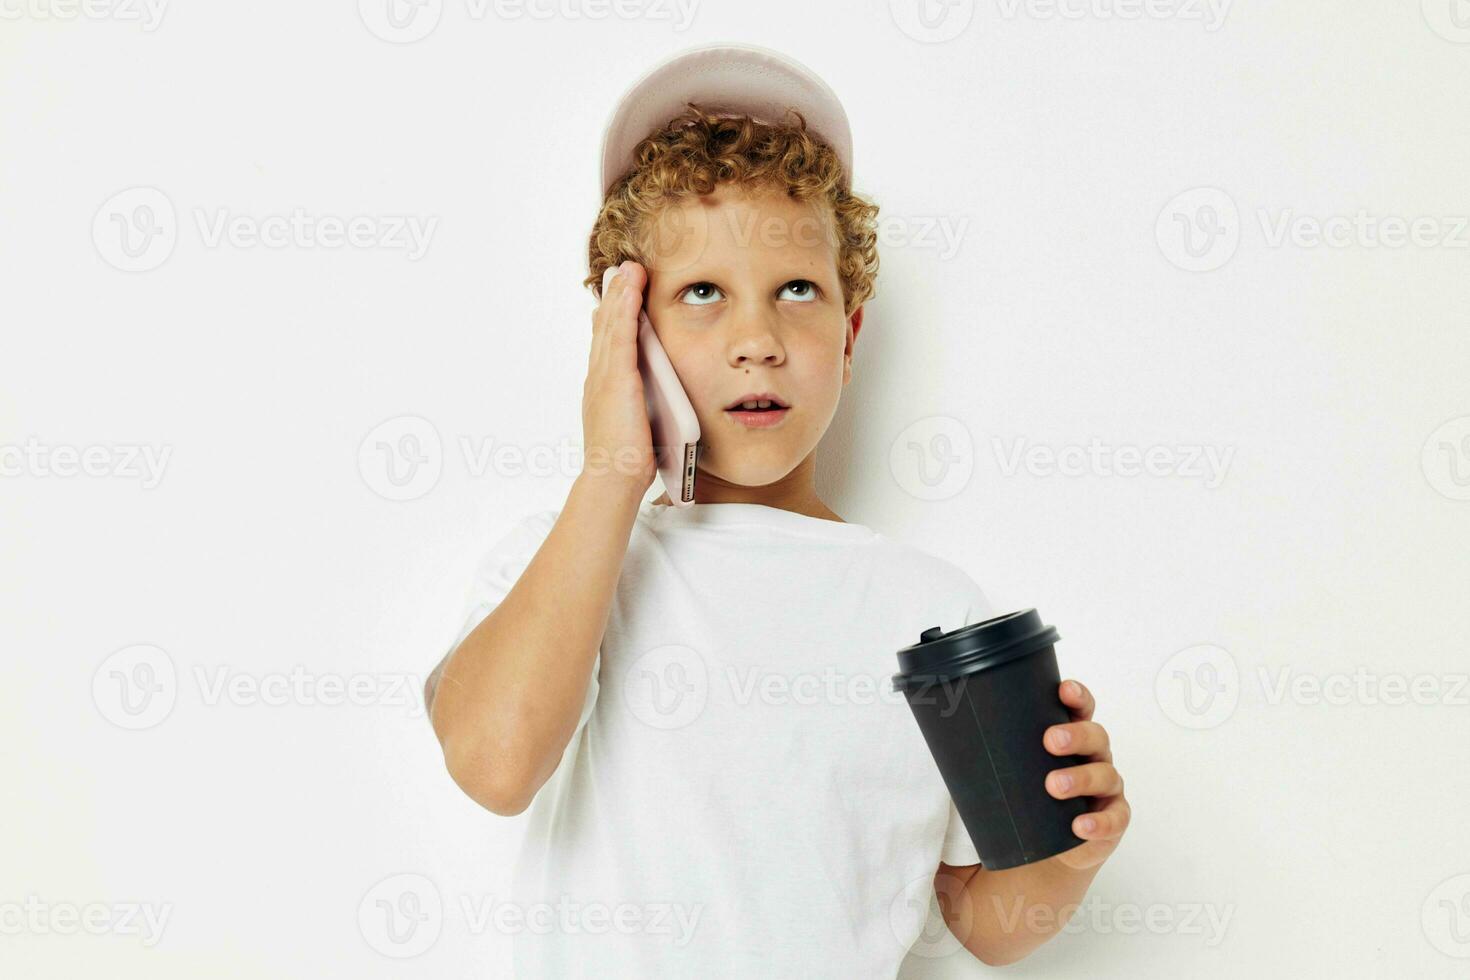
[1079, 738]
[1092, 779]
[604, 301]
[1078, 698]
[615, 319]
[628, 298]
[604, 316]
[1107, 823]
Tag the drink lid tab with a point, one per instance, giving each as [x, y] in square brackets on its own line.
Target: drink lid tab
[943, 656]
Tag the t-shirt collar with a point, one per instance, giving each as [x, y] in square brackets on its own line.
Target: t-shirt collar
[763, 515]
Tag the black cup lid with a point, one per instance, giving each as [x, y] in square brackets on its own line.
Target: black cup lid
[974, 647]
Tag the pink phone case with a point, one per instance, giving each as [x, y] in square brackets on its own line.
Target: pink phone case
[671, 417]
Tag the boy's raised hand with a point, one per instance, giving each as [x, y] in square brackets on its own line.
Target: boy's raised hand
[616, 435]
[1102, 827]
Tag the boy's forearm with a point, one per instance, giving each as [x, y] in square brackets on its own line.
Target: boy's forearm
[1003, 916]
[507, 699]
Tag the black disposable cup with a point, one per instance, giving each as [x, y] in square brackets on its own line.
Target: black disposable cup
[983, 696]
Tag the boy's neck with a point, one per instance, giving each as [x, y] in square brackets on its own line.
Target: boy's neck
[796, 492]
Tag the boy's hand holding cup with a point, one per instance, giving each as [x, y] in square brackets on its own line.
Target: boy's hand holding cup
[1103, 825]
[990, 703]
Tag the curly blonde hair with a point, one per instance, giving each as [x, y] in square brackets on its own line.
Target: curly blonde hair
[698, 150]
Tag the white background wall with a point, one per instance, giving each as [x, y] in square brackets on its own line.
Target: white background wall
[1275, 833]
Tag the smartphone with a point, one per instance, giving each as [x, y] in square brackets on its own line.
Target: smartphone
[671, 417]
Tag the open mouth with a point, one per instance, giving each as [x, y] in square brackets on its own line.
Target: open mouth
[764, 402]
[758, 410]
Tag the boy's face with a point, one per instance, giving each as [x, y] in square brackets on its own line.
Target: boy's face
[744, 294]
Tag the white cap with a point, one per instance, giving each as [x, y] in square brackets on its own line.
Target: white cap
[727, 79]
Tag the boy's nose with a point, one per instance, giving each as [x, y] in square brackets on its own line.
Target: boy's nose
[754, 339]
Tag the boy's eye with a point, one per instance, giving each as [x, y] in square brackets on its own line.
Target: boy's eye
[701, 291]
[699, 294]
[808, 290]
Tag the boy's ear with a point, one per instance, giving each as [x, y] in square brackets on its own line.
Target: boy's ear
[855, 323]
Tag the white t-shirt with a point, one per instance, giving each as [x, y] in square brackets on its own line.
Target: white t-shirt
[745, 795]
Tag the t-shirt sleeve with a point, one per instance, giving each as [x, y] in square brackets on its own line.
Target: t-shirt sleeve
[958, 850]
[498, 571]
[979, 605]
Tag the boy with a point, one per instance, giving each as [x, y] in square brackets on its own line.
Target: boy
[694, 702]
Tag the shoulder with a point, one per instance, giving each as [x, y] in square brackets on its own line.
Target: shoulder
[918, 560]
[942, 577]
